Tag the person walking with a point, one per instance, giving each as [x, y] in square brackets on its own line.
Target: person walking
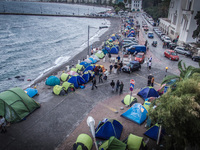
[121, 65]
[115, 68]
[109, 56]
[111, 66]
[94, 83]
[105, 75]
[2, 124]
[149, 80]
[112, 84]
[117, 85]
[121, 88]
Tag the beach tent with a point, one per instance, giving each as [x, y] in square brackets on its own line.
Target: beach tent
[15, 105]
[113, 144]
[58, 90]
[72, 73]
[114, 50]
[148, 92]
[31, 92]
[95, 57]
[137, 113]
[100, 54]
[88, 61]
[102, 67]
[85, 64]
[87, 76]
[80, 67]
[108, 128]
[135, 142]
[52, 81]
[105, 51]
[113, 38]
[64, 77]
[129, 100]
[75, 69]
[68, 87]
[93, 60]
[83, 142]
[76, 80]
[153, 131]
[91, 67]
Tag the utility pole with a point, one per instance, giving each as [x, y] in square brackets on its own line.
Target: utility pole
[88, 40]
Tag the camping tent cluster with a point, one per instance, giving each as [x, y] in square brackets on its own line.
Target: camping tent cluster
[110, 131]
[77, 77]
[112, 45]
[129, 30]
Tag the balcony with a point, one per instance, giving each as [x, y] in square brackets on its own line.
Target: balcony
[187, 12]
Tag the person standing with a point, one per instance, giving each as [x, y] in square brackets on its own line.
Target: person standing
[149, 80]
[101, 77]
[121, 65]
[93, 83]
[117, 85]
[115, 68]
[112, 84]
[149, 65]
[121, 88]
[152, 81]
[109, 56]
[2, 124]
[105, 75]
[111, 66]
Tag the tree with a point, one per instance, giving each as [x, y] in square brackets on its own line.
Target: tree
[196, 32]
[179, 113]
[185, 72]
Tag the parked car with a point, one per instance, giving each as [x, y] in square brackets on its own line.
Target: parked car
[137, 48]
[183, 51]
[154, 43]
[162, 37]
[132, 66]
[150, 35]
[167, 39]
[140, 57]
[172, 46]
[196, 58]
[146, 28]
[129, 45]
[171, 54]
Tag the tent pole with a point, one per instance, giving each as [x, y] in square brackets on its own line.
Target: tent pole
[159, 133]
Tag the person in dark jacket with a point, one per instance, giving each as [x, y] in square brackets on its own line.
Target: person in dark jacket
[117, 85]
[121, 87]
[112, 84]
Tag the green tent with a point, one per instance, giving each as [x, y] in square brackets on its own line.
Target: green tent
[135, 142]
[75, 69]
[68, 87]
[64, 77]
[113, 144]
[58, 90]
[15, 105]
[129, 101]
[147, 105]
[83, 142]
[80, 67]
[100, 54]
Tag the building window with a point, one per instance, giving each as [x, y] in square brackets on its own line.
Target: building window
[172, 32]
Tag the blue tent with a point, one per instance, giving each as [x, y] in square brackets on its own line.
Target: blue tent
[137, 113]
[107, 48]
[85, 64]
[114, 50]
[148, 92]
[93, 60]
[113, 38]
[152, 132]
[31, 92]
[104, 51]
[91, 67]
[52, 81]
[86, 76]
[76, 80]
[108, 128]
[131, 34]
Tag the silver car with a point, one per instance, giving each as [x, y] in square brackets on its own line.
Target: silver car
[182, 50]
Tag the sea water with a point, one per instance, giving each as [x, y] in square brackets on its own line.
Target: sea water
[32, 45]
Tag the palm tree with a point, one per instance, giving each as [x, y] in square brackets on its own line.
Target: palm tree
[185, 73]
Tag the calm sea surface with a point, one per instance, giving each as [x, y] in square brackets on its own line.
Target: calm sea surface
[32, 45]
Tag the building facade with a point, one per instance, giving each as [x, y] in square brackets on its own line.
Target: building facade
[136, 5]
[180, 22]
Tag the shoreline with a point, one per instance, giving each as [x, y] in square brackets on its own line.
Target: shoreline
[115, 24]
